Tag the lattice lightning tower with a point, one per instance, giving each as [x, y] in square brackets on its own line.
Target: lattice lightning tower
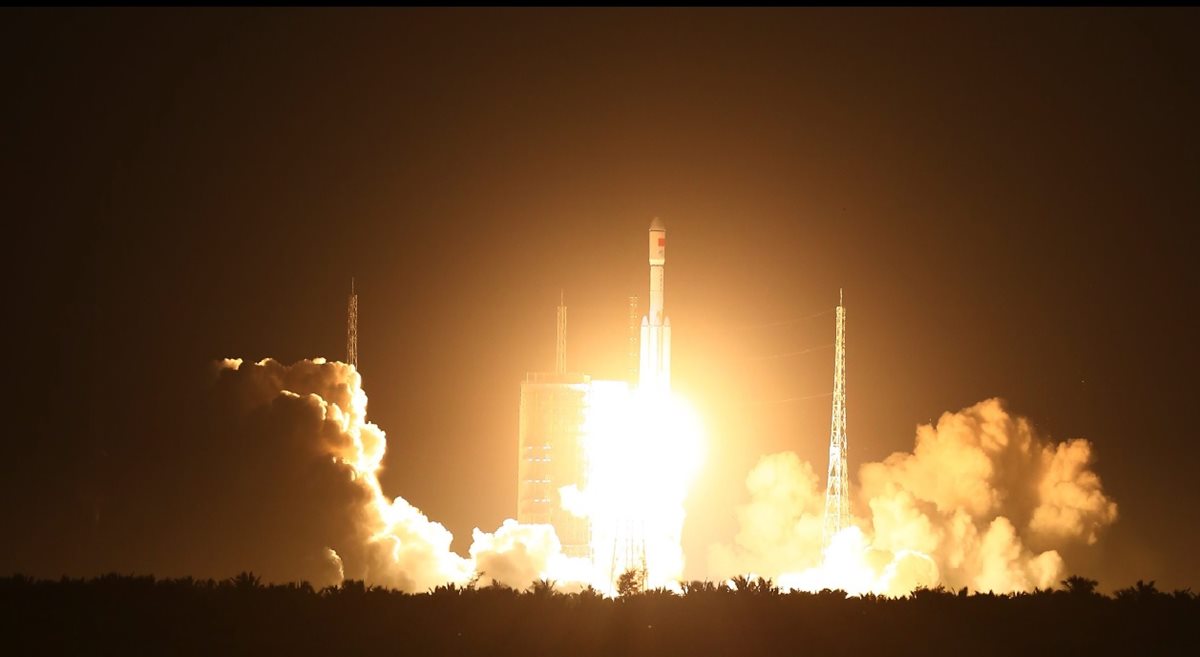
[837, 496]
[352, 327]
[560, 345]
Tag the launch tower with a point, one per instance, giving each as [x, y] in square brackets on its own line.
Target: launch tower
[837, 497]
[550, 446]
[352, 327]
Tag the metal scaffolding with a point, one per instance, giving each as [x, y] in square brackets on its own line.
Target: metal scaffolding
[837, 496]
[352, 327]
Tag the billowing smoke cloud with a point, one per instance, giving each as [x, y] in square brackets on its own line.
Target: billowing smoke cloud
[517, 554]
[980, 502]
[780, 529]
[297, 462]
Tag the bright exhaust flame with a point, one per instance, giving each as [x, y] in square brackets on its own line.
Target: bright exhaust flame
[851, 564]
[644, 447]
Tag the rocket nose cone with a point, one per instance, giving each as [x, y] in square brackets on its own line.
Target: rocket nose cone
[657, 224]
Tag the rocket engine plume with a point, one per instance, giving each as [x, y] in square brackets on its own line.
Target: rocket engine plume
[644, 447]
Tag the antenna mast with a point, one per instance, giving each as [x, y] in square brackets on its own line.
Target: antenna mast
[352, 327]
[837, 497]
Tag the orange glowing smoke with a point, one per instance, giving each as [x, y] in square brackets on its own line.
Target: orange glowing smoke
[981, 502]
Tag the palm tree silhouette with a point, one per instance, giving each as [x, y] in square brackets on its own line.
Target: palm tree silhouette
[245, 581]
[1082, 586]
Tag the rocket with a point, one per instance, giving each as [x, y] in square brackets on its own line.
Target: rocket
[655, 363]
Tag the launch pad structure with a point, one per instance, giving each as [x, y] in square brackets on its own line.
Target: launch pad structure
[550, 451]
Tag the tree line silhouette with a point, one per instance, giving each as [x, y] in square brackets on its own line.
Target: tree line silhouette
[134, 615]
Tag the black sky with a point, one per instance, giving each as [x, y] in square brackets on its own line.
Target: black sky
[1008, 198]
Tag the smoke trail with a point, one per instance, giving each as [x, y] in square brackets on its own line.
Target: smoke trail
[980, 502]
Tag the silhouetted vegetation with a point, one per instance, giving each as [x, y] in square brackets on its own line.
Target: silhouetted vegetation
[135, 615]
[630, 582]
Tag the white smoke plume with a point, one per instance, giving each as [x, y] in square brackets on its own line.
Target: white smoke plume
[313, 414]
[980, 502]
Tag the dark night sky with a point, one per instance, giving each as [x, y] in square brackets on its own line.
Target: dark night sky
[1007, 197]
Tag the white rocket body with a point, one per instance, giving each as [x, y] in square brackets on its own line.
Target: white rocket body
[655, 364]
